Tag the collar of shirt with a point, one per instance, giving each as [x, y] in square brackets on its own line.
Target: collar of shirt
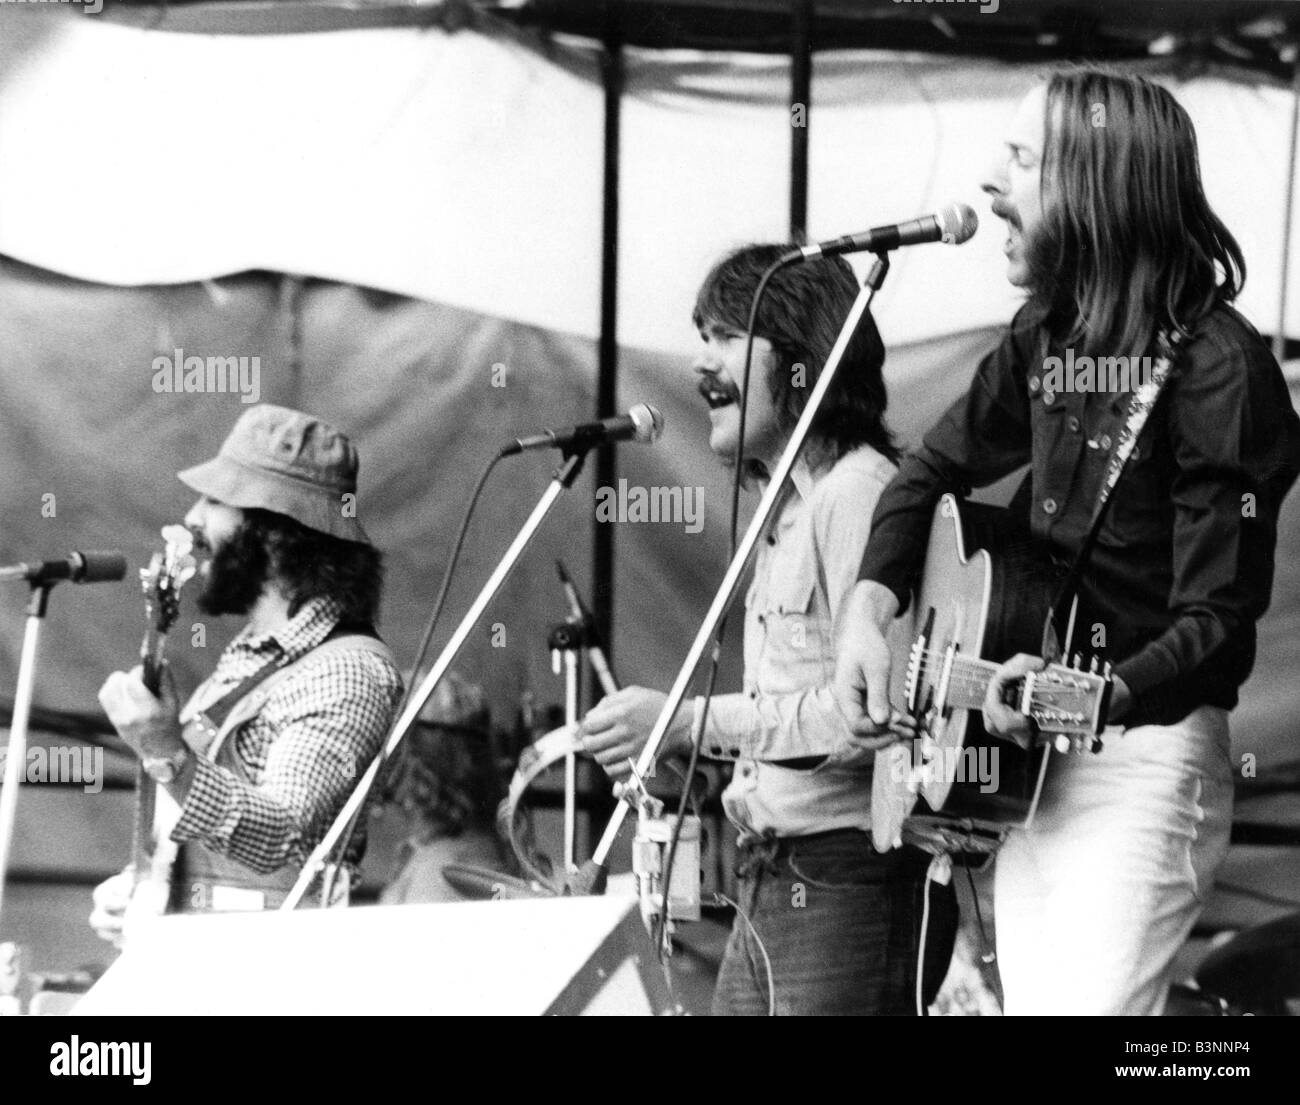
[803, 478]
[298, 636]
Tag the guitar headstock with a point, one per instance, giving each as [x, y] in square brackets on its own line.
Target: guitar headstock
[168, 571]
[1068, 703]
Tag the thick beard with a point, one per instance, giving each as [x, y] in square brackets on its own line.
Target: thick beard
[236, 574]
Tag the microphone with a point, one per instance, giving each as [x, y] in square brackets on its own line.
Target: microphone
[79, 567]
[642, 423]
[955, 224]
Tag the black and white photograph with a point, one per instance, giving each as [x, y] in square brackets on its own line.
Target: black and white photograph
[650, 508]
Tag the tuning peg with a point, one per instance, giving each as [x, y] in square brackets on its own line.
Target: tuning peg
[1106, 668]
[1078, 662]
[1095, 746]
[1062, 743]
[1096, 663]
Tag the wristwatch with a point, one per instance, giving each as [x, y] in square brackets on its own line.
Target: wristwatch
[163, 769]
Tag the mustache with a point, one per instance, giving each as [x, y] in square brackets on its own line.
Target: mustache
[1010, 214]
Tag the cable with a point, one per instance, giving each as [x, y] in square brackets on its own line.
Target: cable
[939, 871]
[341, 849]
[988, 954]
[767, 963]
[920, 951]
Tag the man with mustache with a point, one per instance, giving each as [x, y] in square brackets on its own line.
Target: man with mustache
[268, 749]
[1111, 236]
[828, 925]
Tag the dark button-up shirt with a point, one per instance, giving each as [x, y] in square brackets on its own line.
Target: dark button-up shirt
[1183, 564]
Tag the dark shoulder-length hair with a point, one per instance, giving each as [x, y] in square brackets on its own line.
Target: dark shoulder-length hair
[1129, 245]
[801, 314]
[307, 564]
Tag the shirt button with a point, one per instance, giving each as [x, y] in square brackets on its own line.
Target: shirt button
[1049, 506]
[762, 619]
[1049, 397]
[771, 539]
[1033, 385]
[1074, 424]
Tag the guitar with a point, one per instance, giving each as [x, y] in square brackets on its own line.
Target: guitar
[954, 787]
[161, 582]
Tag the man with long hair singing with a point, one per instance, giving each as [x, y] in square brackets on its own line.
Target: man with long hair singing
[1110, 234]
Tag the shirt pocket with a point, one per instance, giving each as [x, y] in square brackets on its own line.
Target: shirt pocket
[1141, 509]
[795, 631]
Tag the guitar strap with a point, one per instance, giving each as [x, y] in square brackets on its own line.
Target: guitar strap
[1140, 405]
[206, 729]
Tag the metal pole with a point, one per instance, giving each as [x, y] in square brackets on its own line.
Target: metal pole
[602, 559]
[1288, 214]
[800, 115]
[16, 752]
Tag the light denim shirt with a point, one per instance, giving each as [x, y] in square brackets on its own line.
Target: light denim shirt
[806, 564]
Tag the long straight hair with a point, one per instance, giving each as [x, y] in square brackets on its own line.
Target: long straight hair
[1129, 245]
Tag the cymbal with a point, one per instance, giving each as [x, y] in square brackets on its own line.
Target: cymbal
[483, 883]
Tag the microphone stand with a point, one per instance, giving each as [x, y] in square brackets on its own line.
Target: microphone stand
[574, 455]
[16, 753]
[593, 874]
[568, 641]
[575, 640]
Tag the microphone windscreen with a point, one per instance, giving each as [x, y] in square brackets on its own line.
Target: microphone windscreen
[959, 224]
[100, 567]
[648, 421]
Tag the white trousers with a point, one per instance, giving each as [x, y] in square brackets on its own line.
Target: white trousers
[1094, 900]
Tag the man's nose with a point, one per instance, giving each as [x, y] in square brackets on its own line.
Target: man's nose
[995, 181]
[194, 518]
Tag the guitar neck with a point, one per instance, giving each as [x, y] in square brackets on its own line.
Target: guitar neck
[151, 661]
[969, 682]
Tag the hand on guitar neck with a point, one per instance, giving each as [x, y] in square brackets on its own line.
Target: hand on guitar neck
[149, 724]
[1001, 720]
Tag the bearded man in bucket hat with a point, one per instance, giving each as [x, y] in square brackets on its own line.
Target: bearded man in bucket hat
[266, 752]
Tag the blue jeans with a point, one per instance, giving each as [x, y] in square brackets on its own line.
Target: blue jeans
[840, 923]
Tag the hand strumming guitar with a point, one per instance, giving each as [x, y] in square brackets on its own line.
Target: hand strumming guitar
[863, 665]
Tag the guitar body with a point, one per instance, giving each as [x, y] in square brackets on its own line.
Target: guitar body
[982, 597]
